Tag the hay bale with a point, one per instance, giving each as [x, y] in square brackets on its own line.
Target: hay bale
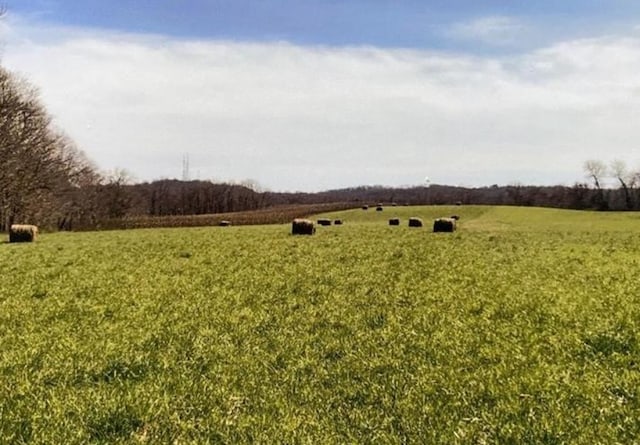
[458, 203]
[365, 207]
[337, 222]
[224, 223]
[22, 233]
[394, 221]
[415, 222]
[447, 225]
[456, 217]
[393, 204]
[302, 227]
[324, 222]
[379, 209]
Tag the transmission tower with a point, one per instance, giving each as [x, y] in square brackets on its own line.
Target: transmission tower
[185, 167]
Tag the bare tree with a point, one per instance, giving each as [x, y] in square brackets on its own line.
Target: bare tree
[634, 185]
[115, 197]
[625, 178]
[596, 170]
[39, 163]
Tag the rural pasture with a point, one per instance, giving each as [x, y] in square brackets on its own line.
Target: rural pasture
[520, 327]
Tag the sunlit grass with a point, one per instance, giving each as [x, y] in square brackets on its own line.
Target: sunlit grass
[519, 328]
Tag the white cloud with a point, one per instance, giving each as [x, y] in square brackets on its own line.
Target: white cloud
[494, 30]
[309, 118]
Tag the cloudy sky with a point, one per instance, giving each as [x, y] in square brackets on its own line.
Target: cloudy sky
[317, 94]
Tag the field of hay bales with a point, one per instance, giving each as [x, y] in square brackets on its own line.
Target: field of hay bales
[522, 326]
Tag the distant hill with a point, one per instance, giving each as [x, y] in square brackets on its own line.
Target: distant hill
[136, 205]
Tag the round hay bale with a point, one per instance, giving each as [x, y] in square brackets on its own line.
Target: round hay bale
[394, 221]
[415, 222]
[456, 217]
[458, 203]
[324, 222]
[379, 209]
[365, 207]
[444, 225]
[224, 223]
[23, 233]
[338, 222]
[302, 227]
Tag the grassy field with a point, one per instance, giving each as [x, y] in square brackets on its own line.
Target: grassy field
[522, 327]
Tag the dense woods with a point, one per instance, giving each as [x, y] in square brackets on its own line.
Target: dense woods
[46, 180]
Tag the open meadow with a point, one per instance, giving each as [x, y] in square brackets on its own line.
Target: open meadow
[521, 327]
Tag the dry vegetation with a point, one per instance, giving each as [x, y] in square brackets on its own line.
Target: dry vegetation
[446, 225]
[22, 233]
[301, 226]
[272, 215]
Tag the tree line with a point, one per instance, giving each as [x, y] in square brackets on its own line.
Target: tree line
[628, 180]
[46, 180]
[43, 175]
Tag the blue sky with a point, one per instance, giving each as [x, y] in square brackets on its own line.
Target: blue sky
[384, 23]
[312, 95]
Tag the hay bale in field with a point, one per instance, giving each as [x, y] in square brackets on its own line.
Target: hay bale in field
[456, 217]
[458, 203]
[337, 222]
[394, 221]
[224, 223]
[365, 207]
[379, 209]
[22, 233]
[324, 222]
[393, 204]
[415, 222]
[302, 227]
[444, 225]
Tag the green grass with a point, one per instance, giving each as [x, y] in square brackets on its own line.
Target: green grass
[522, 327]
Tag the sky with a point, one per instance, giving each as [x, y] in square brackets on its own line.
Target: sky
[309, 95]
